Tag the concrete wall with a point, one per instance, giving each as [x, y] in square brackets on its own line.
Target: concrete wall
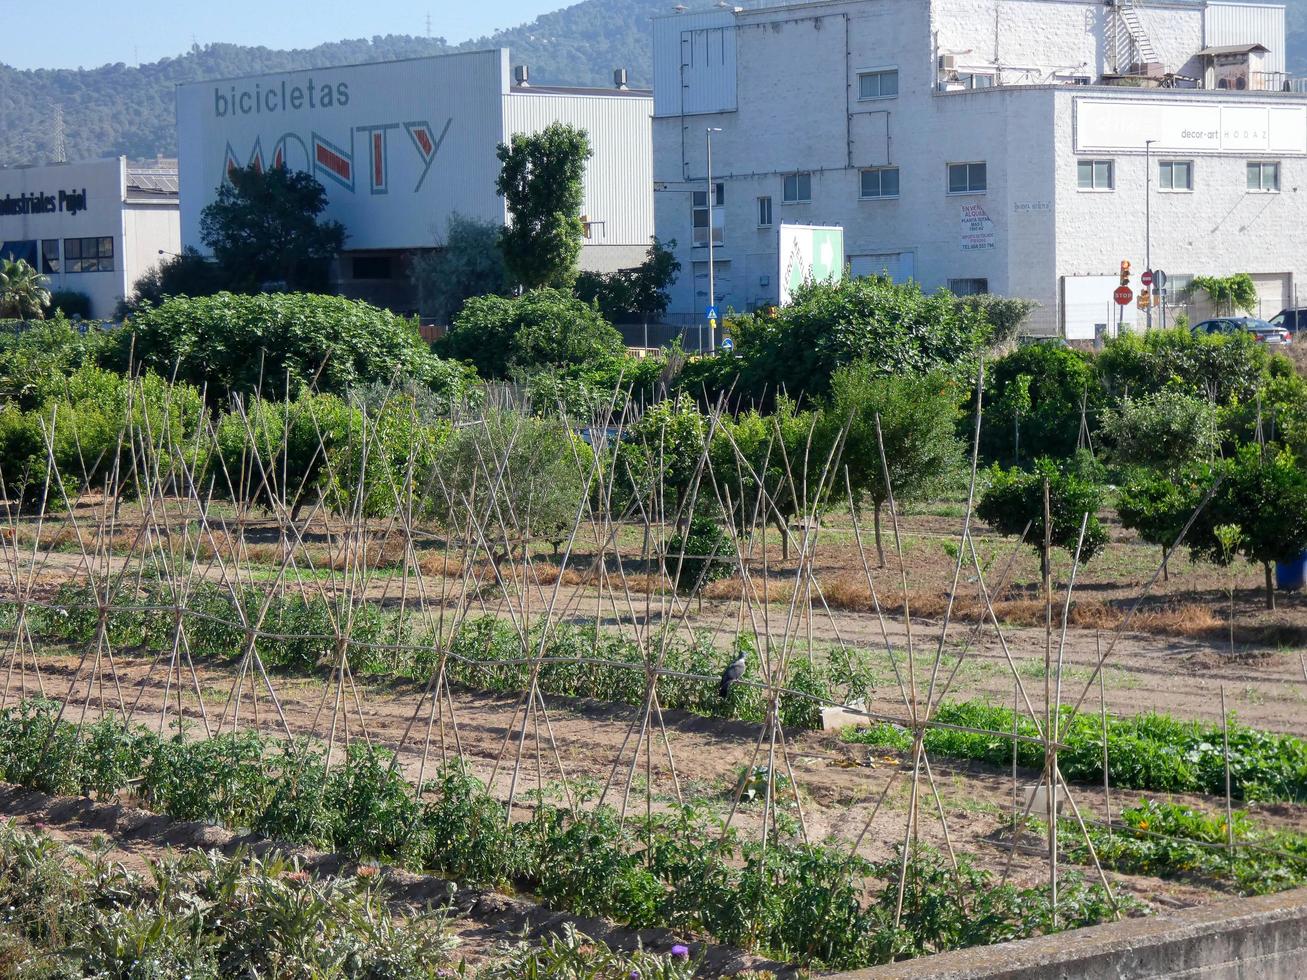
[1261, 938]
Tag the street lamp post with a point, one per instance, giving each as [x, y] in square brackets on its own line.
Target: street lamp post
[1148, 225]
[712, 272]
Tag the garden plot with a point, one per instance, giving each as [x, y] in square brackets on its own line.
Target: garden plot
[444, 667]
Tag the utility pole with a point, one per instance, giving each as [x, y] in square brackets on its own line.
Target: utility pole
[712, 272]
[1148, 226]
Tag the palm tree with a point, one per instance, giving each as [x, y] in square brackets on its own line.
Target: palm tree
[23, 292]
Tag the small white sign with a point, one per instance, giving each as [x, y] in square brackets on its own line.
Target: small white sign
[977, 232]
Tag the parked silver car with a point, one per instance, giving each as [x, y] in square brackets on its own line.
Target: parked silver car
[1263, 332]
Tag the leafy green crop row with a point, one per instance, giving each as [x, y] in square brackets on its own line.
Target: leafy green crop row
[678, 869]
[201, 916]
[486, 654]
[1170, 840]
[1147, 752]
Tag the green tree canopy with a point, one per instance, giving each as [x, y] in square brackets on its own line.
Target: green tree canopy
[1264, 494]
[631, 295]
[187, 274]
[509, 478]
[540, 180]
[1221, 368]
[1165, 430]
[542, 328]
[1033, 402]
[895, 327]
[918, 427]
[275, 342]
[264, 227]
[1015, 497]
[468, 264]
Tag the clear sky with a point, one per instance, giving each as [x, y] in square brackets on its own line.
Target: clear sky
[87, 33]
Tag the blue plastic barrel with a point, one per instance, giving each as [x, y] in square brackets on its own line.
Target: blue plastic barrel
[1291, 574]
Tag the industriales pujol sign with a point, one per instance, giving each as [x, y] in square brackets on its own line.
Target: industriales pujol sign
[60, 202]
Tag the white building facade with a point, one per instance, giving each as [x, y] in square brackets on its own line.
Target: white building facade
[94, 227]
[402, 146]
[1018, 147]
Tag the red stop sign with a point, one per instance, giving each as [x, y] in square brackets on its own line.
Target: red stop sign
[1146, 278]
[1123, 295]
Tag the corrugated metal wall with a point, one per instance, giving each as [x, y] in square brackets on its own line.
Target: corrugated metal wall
[1247, 23]
[694, 63]
[619, 178]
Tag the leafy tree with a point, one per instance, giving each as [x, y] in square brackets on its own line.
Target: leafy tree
[1157, 506]
[542, 328]
[468, 264]
[24, 292]
[631, 295]
[274, 452]
[541, 182]
[276, 344]
[1005, 314]
[187, 274]
[1034, 396]
[1015, 496]
[918, 424]
[1224, 369]
[1265, 495]
[1228, 294]
[1166, 431]
[767, 467]
[264, 226]
[93, 424]
[895, 327]
[512, 478]
[663, 456]
[34, 359]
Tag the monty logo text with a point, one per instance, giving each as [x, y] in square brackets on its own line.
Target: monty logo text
[364, 148]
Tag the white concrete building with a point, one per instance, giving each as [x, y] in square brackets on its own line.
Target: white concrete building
[1020, 147]
[93, 227]
[401, 146]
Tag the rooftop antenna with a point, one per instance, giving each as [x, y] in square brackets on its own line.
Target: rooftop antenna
[428, 23]
[60, 154]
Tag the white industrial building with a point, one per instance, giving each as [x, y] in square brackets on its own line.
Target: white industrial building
[94, 227]
[401, 146]
[1020, 147]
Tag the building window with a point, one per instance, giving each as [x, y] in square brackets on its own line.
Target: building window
[1095, 175]
[1175, 175]
[372, 267]
[1263, 176]
[764, 212]
[968, 287]
[89, 254]
[798, 188]
[702, 217]
[966, 178]
[50, 257]
[880, 182]
[881, 84]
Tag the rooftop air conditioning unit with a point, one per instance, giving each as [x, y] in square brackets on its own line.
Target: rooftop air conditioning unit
[948, 62]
